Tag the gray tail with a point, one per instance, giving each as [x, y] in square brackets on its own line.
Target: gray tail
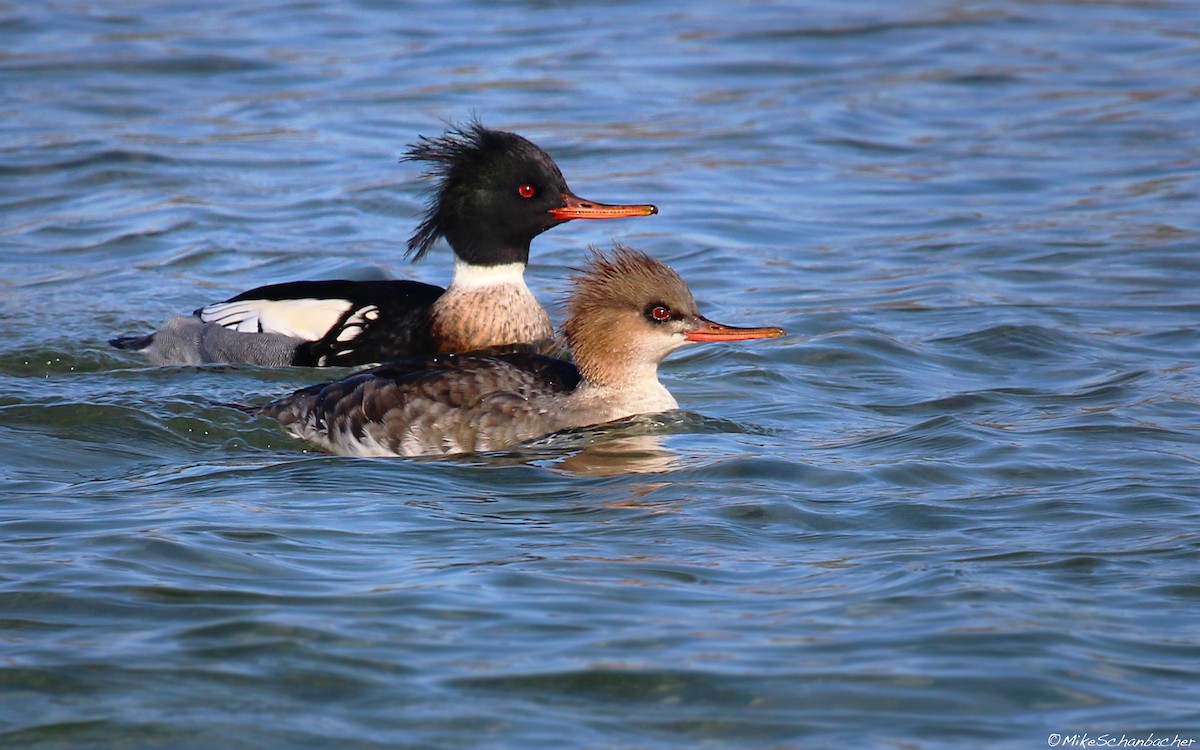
[133, 343]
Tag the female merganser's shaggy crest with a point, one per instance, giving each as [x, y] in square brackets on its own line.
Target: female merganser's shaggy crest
[626, 313]
[495, 192]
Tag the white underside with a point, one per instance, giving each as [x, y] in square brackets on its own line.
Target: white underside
[350, 445]
[308, 319]
[599, 404]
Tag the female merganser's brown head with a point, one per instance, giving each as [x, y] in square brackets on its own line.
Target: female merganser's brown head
[627, 311]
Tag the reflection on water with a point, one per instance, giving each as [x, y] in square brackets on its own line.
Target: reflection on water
[640, 454]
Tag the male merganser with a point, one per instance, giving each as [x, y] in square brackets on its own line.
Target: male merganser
[626, 312]
[495, 192]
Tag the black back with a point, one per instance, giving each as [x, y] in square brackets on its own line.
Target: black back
[399, 329]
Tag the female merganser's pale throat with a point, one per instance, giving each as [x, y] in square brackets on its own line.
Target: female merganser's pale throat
[626, 312]
[495, 191]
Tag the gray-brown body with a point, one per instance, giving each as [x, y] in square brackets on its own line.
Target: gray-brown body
[434, 406]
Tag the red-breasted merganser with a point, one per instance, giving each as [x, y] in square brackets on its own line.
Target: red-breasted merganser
[626, 312]
[495, 192]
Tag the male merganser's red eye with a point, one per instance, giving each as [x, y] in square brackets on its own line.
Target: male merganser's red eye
[660, 313]
[526, 190]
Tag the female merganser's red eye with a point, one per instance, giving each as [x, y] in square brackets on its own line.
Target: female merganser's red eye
[526, 190]
[660, 313]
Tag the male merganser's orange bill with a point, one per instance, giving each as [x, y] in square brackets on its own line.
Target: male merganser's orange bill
[577, 208]
[494, 192]
[626, 312]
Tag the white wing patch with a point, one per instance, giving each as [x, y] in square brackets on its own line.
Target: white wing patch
[308, 319]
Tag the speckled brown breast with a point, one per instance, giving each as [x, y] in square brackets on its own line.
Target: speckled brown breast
[485, 317]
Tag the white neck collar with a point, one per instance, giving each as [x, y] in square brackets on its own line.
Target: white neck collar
[469, 275]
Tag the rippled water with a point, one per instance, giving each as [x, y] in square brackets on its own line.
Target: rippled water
[957, 506]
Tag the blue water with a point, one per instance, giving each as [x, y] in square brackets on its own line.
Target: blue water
[956, 507]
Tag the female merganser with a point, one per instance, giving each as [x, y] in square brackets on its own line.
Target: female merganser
[626, 312]
[495, 192]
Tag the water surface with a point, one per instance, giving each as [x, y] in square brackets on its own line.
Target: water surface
[955, 507]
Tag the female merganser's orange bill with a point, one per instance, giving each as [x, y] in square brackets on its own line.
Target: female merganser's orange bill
[494, 192]
[626, 312]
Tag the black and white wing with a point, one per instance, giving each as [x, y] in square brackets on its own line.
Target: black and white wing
[341, 322]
